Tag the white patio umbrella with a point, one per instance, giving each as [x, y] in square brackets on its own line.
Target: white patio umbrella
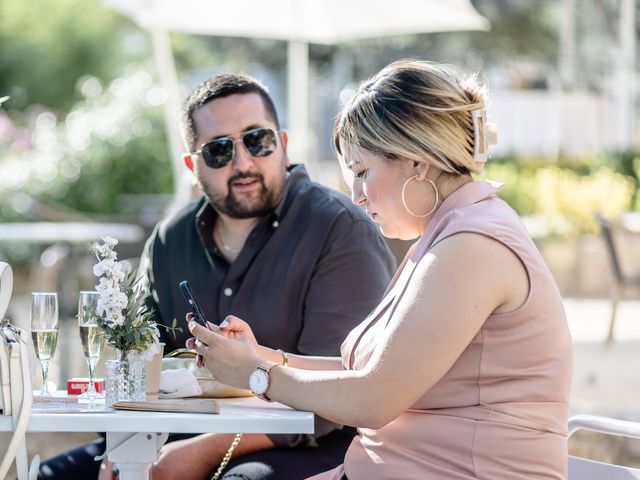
[299, 22]
[312, 21]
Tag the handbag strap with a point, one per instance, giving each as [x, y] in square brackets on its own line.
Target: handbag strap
[17, 446]
[6, 287]
[227, 456]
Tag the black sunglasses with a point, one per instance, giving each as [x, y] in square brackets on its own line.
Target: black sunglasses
[260, 142]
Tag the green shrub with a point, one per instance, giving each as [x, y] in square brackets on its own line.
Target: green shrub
[564, 198]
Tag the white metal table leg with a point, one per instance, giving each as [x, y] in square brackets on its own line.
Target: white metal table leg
[133, 453]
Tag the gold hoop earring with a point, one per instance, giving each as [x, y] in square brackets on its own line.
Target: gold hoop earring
[404, 200]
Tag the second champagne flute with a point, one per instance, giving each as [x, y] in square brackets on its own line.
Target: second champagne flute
[91, 337]
[44, 331]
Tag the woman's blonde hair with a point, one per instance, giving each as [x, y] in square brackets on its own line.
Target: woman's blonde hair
[414, 109]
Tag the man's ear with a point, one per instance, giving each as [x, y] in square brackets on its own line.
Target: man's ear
[188, 161]
[284, 138]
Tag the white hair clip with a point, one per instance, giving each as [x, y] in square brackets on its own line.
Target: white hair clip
[484, 135]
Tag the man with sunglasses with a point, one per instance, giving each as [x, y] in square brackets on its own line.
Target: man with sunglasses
[270, 246]
[295, 259]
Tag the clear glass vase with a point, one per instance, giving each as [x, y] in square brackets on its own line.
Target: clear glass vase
[125, 380]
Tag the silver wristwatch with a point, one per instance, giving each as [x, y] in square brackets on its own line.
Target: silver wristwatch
[259, 379]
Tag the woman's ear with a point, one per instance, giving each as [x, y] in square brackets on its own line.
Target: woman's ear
[421, 169]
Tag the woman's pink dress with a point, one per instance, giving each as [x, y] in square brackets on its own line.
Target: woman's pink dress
[501, 411]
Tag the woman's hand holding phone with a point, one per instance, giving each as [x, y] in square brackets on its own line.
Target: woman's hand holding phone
[229, 351]
[232, 327]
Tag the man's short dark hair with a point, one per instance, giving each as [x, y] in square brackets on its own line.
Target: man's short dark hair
[221, 86]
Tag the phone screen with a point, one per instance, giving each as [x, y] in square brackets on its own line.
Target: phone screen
[198, 314]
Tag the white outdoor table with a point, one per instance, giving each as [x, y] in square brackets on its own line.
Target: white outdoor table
[134, 438]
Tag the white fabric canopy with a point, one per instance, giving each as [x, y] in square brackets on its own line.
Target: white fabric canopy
[312, 21]
[298, 21]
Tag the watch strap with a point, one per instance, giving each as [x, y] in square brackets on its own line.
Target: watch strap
[266, 367]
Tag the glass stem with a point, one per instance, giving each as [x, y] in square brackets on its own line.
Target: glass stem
[92, 368]
[45, 374]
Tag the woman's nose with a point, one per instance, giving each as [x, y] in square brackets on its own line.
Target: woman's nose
[357, 194]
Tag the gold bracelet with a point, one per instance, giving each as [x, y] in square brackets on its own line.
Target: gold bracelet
[285, 358]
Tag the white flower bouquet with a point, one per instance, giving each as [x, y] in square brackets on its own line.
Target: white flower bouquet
[123, 318]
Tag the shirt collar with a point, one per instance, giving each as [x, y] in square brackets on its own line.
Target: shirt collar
[296, 174]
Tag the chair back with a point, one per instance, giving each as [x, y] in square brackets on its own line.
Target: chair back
[607, 233]
[586, 469]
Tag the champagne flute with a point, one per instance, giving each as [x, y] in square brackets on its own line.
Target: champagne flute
[91, 337]
[44, 331]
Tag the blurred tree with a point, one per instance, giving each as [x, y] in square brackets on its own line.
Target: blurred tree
[84, 123]
[522, 44]
[111, 143]
[46, 47]
[518, 28]
[194, 52]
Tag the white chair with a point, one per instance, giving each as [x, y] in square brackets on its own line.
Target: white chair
[585, 469]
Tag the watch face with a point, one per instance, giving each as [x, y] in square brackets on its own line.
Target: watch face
[259, 382]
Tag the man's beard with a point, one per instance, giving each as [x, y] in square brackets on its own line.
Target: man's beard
[258, 204]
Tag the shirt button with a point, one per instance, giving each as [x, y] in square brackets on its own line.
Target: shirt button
[275, 224]
[227, 292]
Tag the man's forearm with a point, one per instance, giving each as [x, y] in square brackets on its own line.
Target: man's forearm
[198, 457]
[250, 443]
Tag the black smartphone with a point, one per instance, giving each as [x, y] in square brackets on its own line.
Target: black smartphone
[198, 314]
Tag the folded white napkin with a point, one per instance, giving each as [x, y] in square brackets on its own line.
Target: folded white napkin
[178, 383]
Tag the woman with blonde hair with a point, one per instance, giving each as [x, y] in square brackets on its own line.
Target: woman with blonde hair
[463, 370]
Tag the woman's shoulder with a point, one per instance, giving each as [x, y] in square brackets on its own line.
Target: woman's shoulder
[491, 217]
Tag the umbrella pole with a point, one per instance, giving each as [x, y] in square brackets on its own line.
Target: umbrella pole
[163, 57]
[298, 103]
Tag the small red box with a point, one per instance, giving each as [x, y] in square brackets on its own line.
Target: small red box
[78, 385]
